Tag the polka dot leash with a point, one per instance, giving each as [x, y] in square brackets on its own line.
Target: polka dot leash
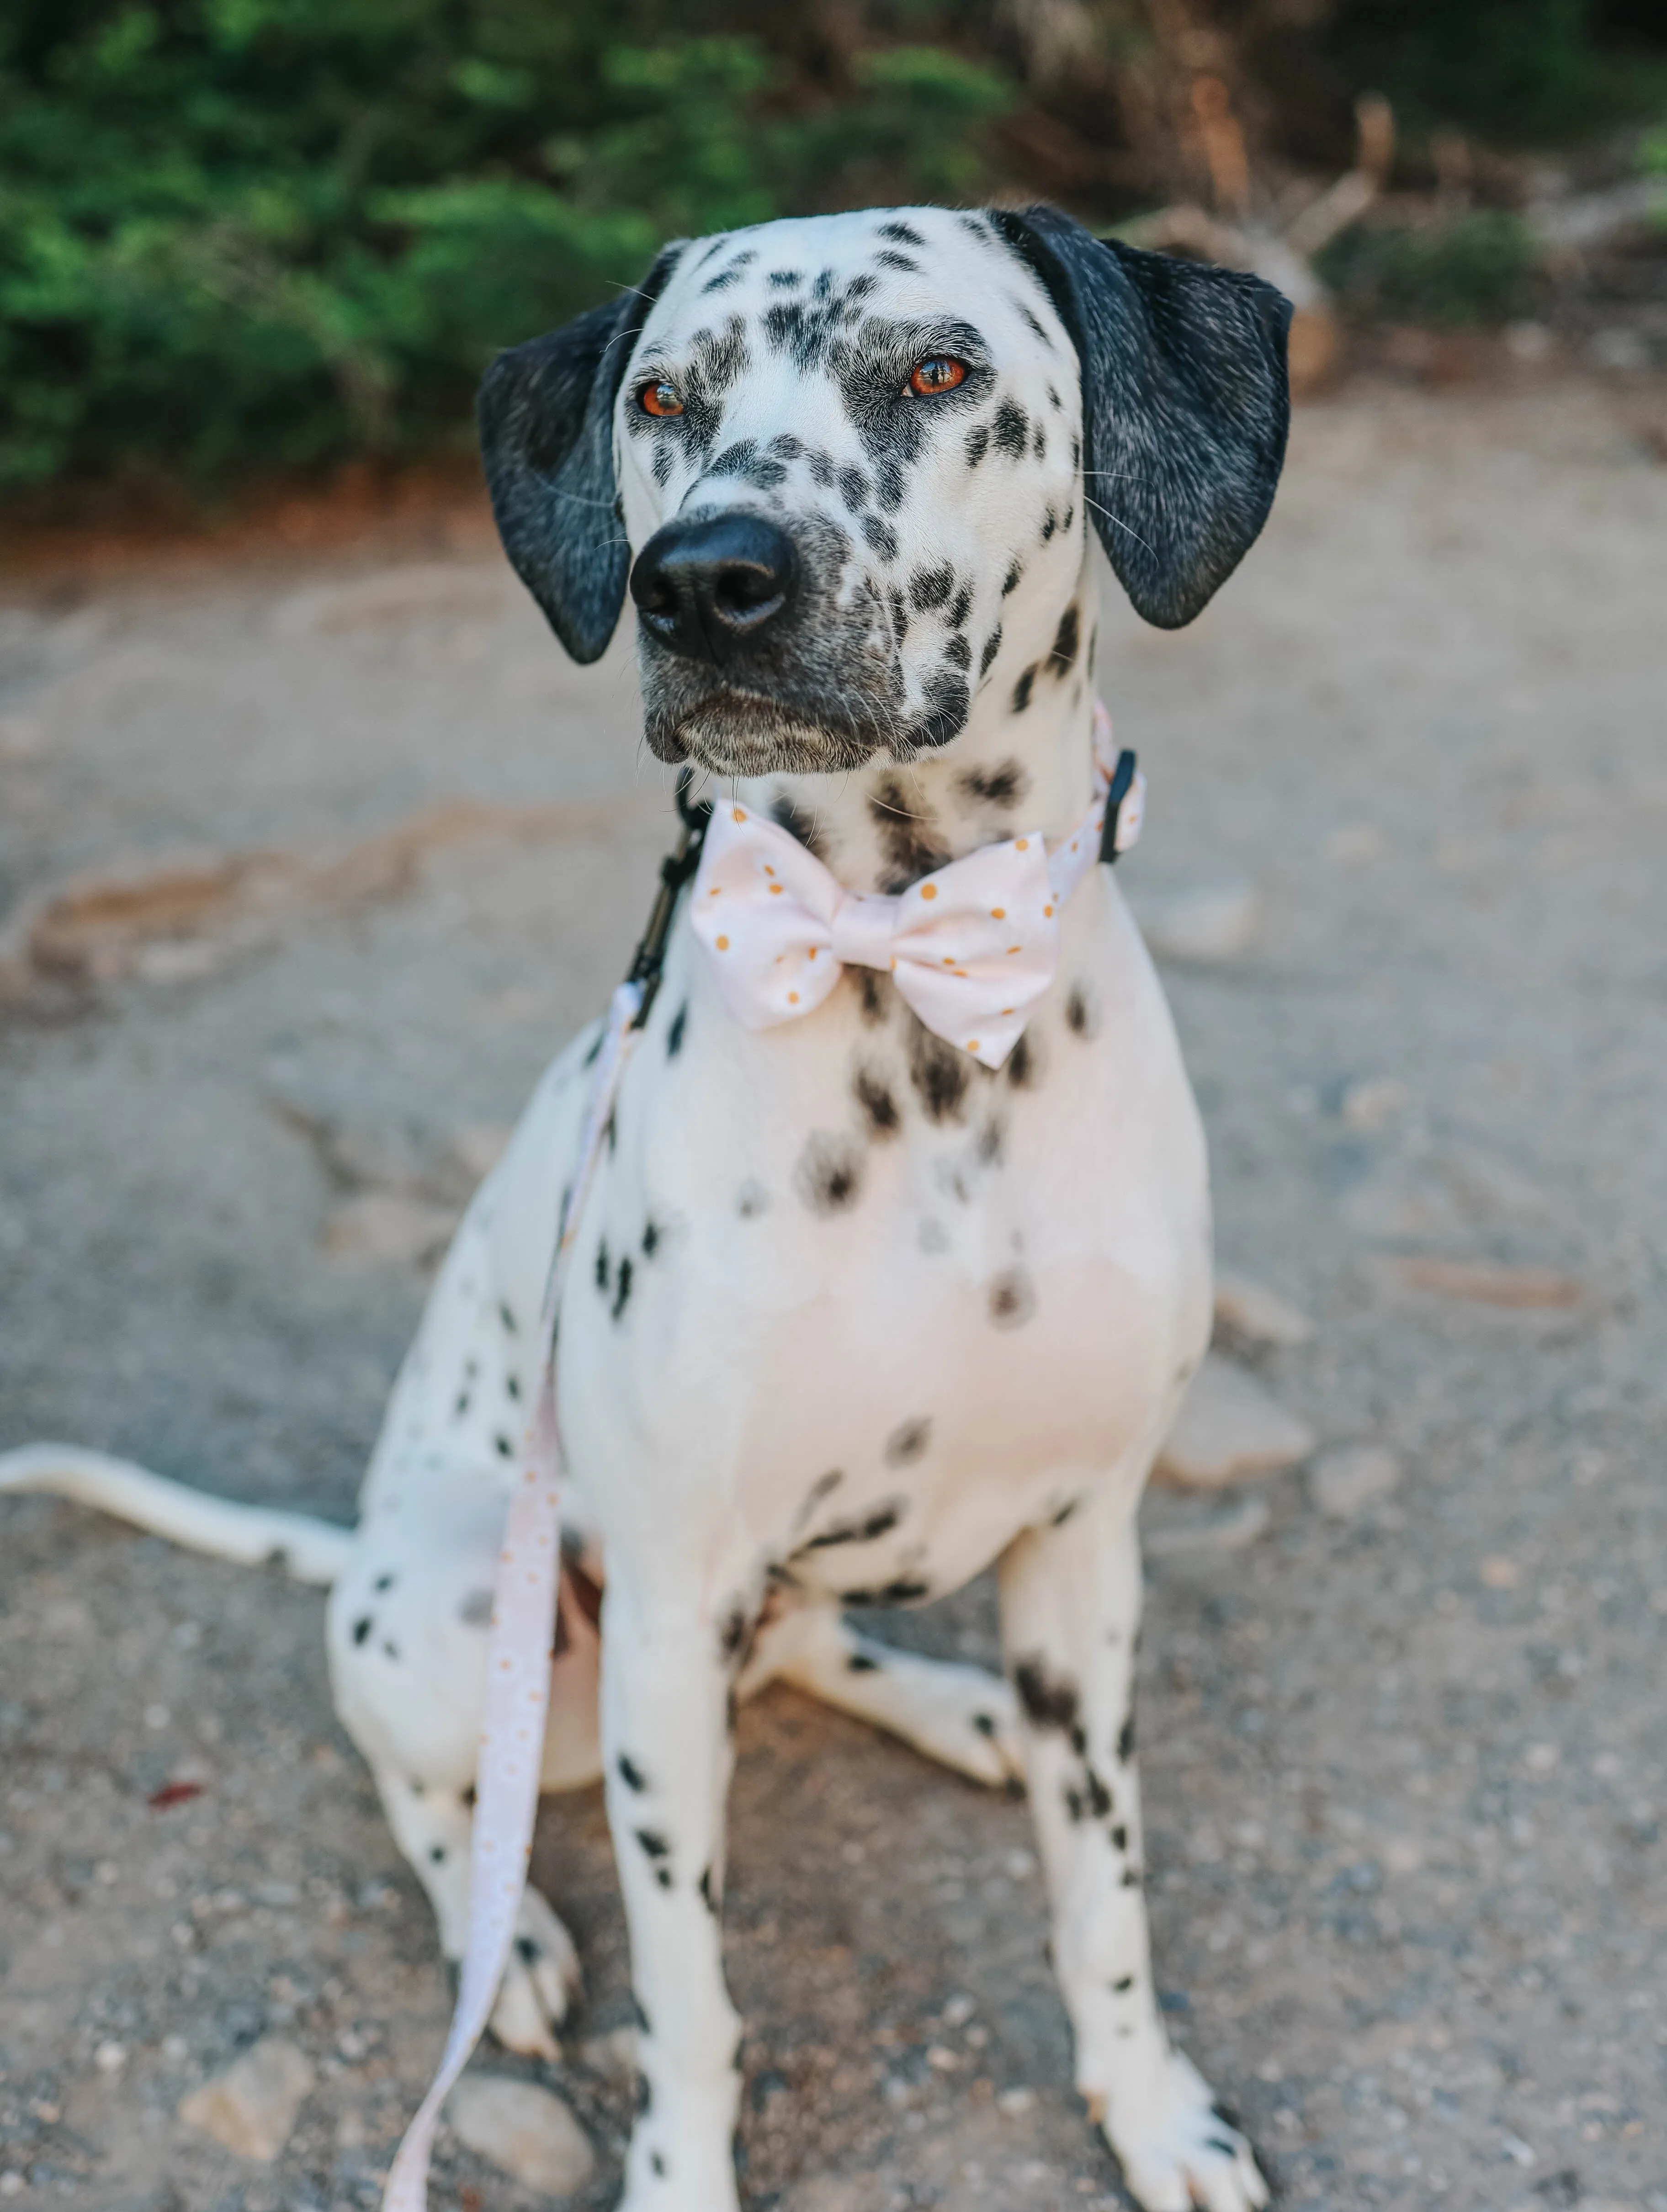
[972, 946]
[524, 1597]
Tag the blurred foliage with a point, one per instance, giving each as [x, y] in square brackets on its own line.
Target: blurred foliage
[1463, 270]
[243, 234]
[272, 232]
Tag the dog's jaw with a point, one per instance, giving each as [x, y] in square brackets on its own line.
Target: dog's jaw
[1024, 761]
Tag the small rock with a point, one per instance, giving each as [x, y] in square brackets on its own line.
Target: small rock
[377, 1228]
[110, 2058]
[614, 2055]
[836, 2192]
[1343, 1482]
[1372, 1103]
[1232, 1531]
[1013, 2104]
[1210, 922]
[524, 2130]
[251, 2108]
[1257, 1316]
[1228, 1427]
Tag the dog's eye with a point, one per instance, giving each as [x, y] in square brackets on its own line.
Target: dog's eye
[659, 397]
[939, 371]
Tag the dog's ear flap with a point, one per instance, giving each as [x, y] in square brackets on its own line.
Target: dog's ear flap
[545, 415]
[1185, 403]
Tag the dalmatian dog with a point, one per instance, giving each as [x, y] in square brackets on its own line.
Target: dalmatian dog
[854, 1315]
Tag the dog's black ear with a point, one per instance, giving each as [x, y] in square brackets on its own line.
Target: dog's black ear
[545, 413]
[1185, 404]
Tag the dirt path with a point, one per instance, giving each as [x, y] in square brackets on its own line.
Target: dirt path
[1405, 1768]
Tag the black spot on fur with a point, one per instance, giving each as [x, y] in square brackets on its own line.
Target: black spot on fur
[904, 232]
[859, 1662]
[958, 653]
[890, 260]
[991, 1141]
[602, 1270]
[854, 489]
[977, 444]
[1012, 1299]
[1080, 1012]
[1126, 1739]
[907, 1589]
[1065, 1513]
[1040, 330]
[799, 824]
[653, 1843]
[907, 1442]
[784, 278]
[992, 647]
[528, 1951]
[506, 1449]
[362, 1629]
[985, 1723]
[622, 1291]
[829, 1175]
[888, 485]
[1119, 1836]
[658, 2162]
[881, 536]
[1049, 1702]
[1049, 524]
[908, 841]
[590, 1057]
[1131, 1878]
[475, 1610]
[949, 698]
[675, 1035]
[1004, 785]
[383, 1582]
[512, 1384]
[1023, 1069]
[630, 1773]
[639, 2016]
[873, 1526]
[879, 1108]
[1039, 443]
[875, 993]
[650, 1240]
[1022, 690]
[938, 1073]
[1122, 1987]
[437, 1853]
[930, 587]
[752, 1200]
[1067, 638]
[822, 469]
[1012, 429]
[1010, 581]
[708, 1894]
[963, 606]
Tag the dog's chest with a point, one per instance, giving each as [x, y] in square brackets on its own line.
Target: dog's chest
[845, 1302]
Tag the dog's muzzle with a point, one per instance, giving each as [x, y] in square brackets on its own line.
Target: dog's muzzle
[709, 589]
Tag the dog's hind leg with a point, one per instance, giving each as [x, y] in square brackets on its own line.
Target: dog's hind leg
[1070, 1607]
[408, 1632]
[959, 1715]
[435, 1828]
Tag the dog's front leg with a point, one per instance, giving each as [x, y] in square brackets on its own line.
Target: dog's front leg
[1070, 1610]
[666, 1737]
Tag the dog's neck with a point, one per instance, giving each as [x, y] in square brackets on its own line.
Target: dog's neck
[882, 827]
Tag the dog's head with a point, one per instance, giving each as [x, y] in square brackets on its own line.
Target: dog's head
[835, 460]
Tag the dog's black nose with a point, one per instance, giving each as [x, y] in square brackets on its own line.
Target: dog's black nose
[706, 588]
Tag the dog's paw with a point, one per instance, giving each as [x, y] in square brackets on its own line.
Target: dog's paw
[541, 1982]
[1179, 2152]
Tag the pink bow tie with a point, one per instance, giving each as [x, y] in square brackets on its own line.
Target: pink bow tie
[972, 946]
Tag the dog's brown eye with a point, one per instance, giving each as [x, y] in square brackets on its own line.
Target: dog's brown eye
[939, 371]
[659, 397]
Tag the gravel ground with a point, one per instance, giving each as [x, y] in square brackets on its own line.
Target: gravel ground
[1404, 1757]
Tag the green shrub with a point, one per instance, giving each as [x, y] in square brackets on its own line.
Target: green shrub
[269, 233]
[1473, 269]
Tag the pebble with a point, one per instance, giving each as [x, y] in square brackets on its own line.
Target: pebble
[1344, 1482]
[378, 1227]
[526, 2132]
[1205, 922]
[251, 2108]
[1260, 1318]
[1228, 1427]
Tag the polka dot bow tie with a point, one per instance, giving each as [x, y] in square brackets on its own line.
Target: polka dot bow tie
[972, 947]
